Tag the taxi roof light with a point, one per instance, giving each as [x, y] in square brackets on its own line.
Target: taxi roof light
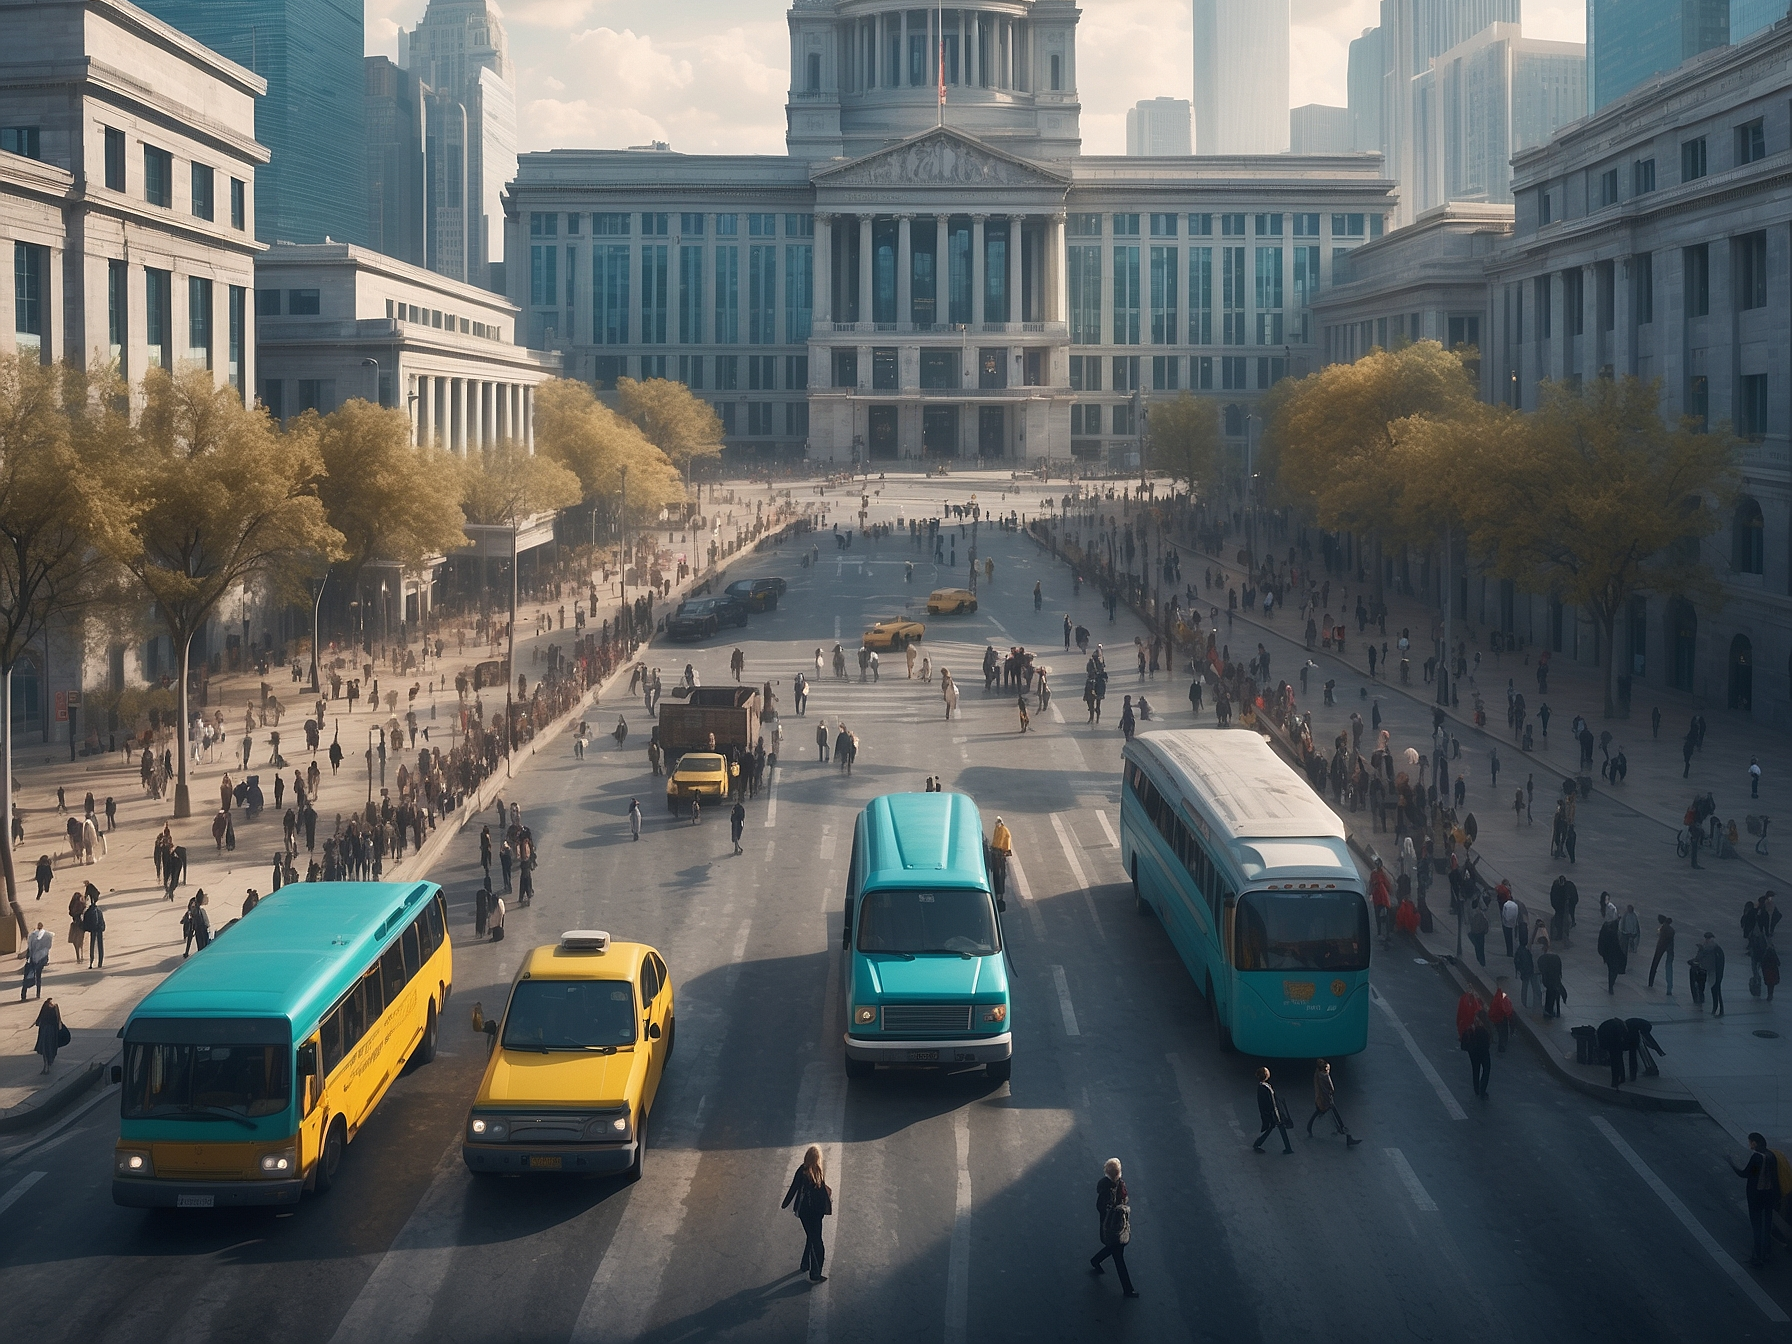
[585, 940]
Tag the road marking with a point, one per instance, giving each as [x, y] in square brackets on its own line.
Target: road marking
[998, 625]
[1064, 1004]
[836, 619]
[11, 1197]
[1057, 713]
[1107, 827]
[394, 1303]
[626, 1286]
[1725, 1261]
[771, 847]
[1025, 892]
[1444, 1094]
[48, 1144]
[771, 807]
[958, 1267]
[1076, 869]
[732, 974]
[1410, 1179]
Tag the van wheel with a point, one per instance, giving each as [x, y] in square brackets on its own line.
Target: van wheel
[426, 1048]
[1139, 904]
[1222, 1034]
[634, 1171]
[1000, 1070]
[859, 1068]
[329, 1161]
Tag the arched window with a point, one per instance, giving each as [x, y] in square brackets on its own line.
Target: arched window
[1748, 546]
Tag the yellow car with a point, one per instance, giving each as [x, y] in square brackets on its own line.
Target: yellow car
[958, 600]
[575, 1061]
[699, 774]
[894, 634]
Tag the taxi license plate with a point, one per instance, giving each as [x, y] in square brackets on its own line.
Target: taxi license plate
[544, 1164]
[923, 1056]
[195, 1201]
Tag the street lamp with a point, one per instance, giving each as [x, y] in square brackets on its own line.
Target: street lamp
[622, 528]
[316, 603]
[376, 378]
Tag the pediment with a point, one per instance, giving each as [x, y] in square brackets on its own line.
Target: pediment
[941, 157]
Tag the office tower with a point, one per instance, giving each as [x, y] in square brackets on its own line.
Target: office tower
[1368, 75]
[1631, 41]
[1159, 126]
[396, 214]
[1318, 129]
[1241, 76]
[459, 49]
[313, 119]
[1748, 17]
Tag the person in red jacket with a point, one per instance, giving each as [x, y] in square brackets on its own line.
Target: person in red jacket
[1466, 1008]
[1406, 917]
[1380, 895]
[1501, 1013]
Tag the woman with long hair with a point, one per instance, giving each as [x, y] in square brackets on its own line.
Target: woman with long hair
[813, 1201]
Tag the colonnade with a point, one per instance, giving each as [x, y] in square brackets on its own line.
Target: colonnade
[469, 414]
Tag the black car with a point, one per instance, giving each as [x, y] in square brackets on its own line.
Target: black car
[757, 594]
[702, 617]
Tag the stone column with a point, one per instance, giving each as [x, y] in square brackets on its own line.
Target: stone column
[463, 438]
[905, 270]
[824, 273]
[1056, 285]
[973, 30]
[1015, 225]
[978, 262]
[866, 306]
[420, 412]
[516, 412]
[529, 418]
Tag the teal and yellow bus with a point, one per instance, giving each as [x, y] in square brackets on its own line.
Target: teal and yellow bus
[249, 1069]
[925, 981]
[1248, 871]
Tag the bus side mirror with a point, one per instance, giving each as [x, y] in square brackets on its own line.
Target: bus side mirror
[1001, 906]
[117, 1073]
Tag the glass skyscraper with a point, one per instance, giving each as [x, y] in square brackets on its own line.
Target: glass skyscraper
[1748, 17]
[313, 119]
[1631, 41]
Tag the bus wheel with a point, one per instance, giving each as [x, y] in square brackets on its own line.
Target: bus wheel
[999, 1070]
[634, 1171]
[329, 1161]
[859, 1068]
[1139, 904]
[1222, 1034]
[426, 1048]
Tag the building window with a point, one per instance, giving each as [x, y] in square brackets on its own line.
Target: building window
[1085, 419]
[1126, 373]
[1200, 373]
[1126, 293]
[1692, 159]
[846, 368]
[118, 311]
[799, 226]
[1608, 187]
[1545, 308]
[939, 369]
[1232, 295]
[1347, 226]
[796, 372]
[203, 179]
[1748, 549]
[1465, 332]
[1545, 207]
[814, 72]
[1269, 294]
[654, 296]
[30, 263]
[727, 317]
[199, 320]
[727, 373]
[158, 317]
[762, 293]
[992, 368]
[1232, 226]
[605, 370]
[762, 226]
[114, 159]
[1749, 259]
[21, 140]
[572, 224]
[272, 390]
[1123, 420]
[1033, 368]
[653, 366]
[1269, 226]
[304, 303]
[1085, 373]
[609, 293]
[544, 275]
[1698, 280]
[1163, 226]
[612, 225]
[690, 371]
[1751, 413]
[1201, 226]
[239, 302]
[690, 295]
[1751, 142]
[1234, 373]
[1057, 76]
[1083, 226]
[1126, 226]
[1642, 177]
[1200, 296]
[725, 412]
[690, 225]
[1642, 277]
[1698, 401]
[1083, 270]
[158, 176]
[1166, 373]
[1574, 317]
[759, 418]
[655, 225]
[1305, 226]
[762, 373]
[267, 303]
[239, 207]
[1166, 286]
[799, 286]
[796, 419]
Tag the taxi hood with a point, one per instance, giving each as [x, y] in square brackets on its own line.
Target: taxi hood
[559, 1078]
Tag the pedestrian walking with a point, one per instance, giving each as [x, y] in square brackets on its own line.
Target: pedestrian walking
[1549, 971]
[52, 1035]
[93, 919]
[821, 741]
[737, 820]
[1325, 1102]
[634, 818]
[1761, 1172]
[37, 960]
[1524, 961]
[1754, 777]
[496, 920]
[1477, 928]
[813, 1201]
[1272, 1113]
[482, 909]
[45, 873]
[1711, 961]
[1021, 704]
[1113, 1213]
[1478, 1041]
[202, 921]
[1611, 952]
[1501, 1013]
[77, 930]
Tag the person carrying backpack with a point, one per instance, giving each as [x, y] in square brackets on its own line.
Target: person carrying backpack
[1113, 1210]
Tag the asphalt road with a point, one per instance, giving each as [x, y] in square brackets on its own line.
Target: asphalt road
[965, 1211]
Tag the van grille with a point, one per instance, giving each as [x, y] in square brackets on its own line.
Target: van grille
[927, 1017]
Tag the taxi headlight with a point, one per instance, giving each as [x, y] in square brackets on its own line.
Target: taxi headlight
[133, 1162]
[605, 1128]
[489, 1128]
[996, 1012]
[282, 1163]
[864, 1015]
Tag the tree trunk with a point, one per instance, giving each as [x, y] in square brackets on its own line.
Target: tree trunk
[1607, 661]
[6, 858]
[183, 803]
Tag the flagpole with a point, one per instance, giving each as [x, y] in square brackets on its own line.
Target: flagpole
[939, 25]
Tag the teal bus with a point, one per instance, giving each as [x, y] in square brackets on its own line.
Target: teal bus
[925, 982]
[1248, 871]
[250, 1068]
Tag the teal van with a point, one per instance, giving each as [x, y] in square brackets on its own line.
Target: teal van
[924, 979]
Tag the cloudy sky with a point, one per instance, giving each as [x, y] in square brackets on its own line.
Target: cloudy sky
[710, 75]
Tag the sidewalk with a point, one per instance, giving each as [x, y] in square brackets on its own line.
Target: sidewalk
[143, 936]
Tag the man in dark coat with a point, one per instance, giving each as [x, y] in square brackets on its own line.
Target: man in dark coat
[1613, 1036]
[1270, 1113]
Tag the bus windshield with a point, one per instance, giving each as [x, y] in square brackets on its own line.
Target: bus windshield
[205, 1082]
[1302, 931]
[570, 1015]
[959, 922]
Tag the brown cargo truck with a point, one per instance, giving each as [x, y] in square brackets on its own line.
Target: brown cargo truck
[730, 712]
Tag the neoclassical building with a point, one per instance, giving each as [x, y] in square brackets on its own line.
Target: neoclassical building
[918, 280]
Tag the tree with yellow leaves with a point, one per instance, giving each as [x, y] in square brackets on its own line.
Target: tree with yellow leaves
[683, 427]
[574, 428]
[1185, 442]
[504, 485]
[1595, 501]
[222, 498]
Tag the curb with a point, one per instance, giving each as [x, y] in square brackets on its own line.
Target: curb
[50, 1101]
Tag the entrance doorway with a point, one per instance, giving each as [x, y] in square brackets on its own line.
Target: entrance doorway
[1742, 673]
[992, 438]
[939, 431]
[883, 433]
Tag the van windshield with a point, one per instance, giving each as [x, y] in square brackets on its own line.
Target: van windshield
[1302, 931]
[958, 922]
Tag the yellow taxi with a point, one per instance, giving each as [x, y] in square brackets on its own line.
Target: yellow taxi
[698, 774]
[956, 600]
[576, 1061]
[893, 634]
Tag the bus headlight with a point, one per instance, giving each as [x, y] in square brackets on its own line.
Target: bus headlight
[996, 1012]
[487, 1128]
[133, 1162]
[865, 1015]
[282, 1163]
